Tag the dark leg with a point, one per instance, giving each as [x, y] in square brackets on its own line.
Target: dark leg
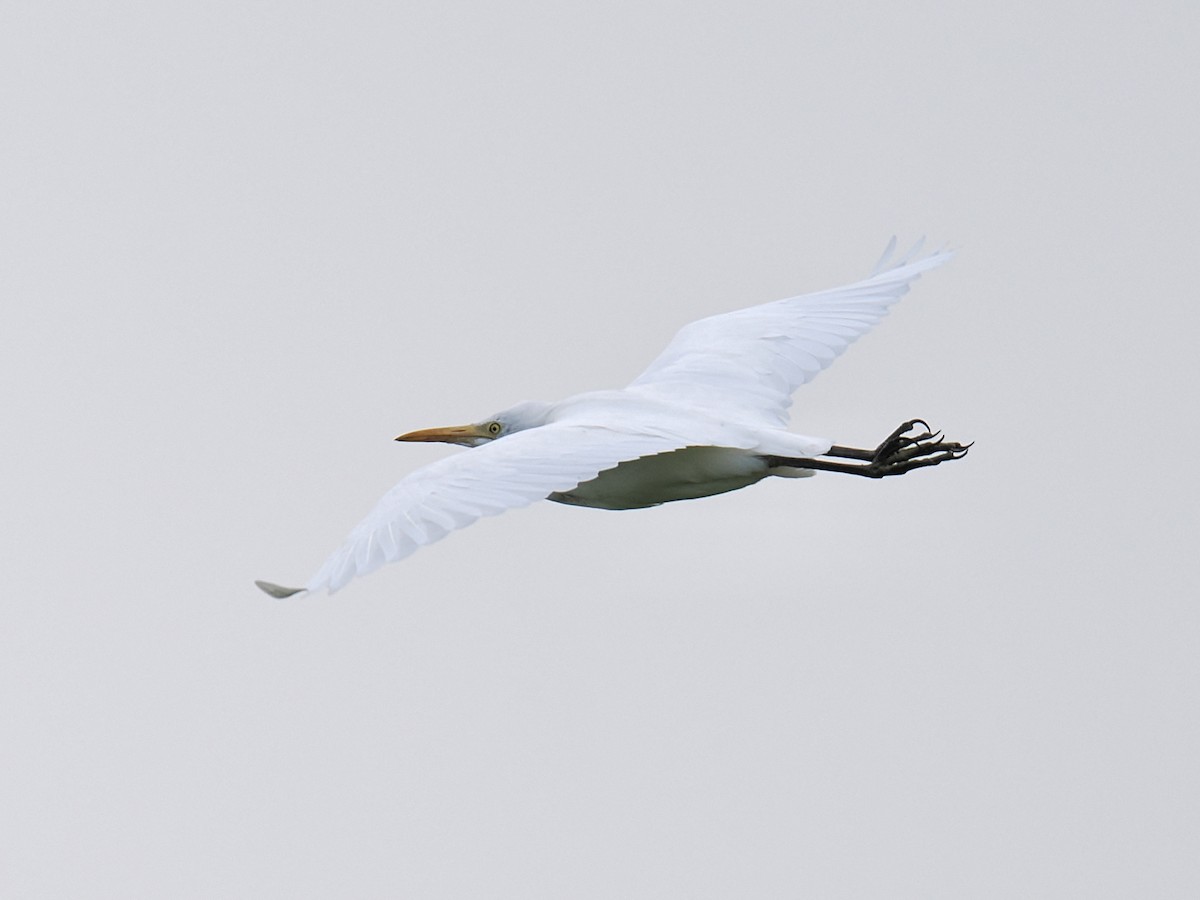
[900, 452]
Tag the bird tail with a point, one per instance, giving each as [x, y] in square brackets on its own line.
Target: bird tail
[790, 472]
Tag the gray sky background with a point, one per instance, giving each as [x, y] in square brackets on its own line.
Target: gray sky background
[245, 244]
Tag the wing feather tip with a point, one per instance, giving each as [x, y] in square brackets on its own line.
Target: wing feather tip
[278, 591]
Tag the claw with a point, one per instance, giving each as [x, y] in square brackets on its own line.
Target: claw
[917, 439]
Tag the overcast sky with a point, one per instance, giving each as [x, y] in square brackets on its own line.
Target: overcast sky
[245, 244]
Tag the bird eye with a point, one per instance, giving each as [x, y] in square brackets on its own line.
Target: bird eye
[494, 428]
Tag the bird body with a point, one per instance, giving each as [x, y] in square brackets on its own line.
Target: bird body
[719, 456]
[708, 416]
[685, 474]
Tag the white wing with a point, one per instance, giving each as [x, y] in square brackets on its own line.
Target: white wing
[510, 472]
[746, 364]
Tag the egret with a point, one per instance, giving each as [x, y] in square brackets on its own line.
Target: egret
[708, 416]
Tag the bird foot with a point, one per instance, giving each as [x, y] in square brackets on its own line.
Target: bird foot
[902, 451]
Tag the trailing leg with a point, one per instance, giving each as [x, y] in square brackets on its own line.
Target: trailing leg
[899, 452]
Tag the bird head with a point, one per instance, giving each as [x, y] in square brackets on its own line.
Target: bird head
[520, 417]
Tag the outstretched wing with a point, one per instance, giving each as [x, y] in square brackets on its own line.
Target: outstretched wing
[746, 364]
[507, 473]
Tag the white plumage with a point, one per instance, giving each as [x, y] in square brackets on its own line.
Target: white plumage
[707, 416]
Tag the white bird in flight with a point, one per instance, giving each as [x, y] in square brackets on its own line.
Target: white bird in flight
[708, 416]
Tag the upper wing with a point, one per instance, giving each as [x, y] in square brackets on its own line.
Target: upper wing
[747, 363]
[451, 493]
